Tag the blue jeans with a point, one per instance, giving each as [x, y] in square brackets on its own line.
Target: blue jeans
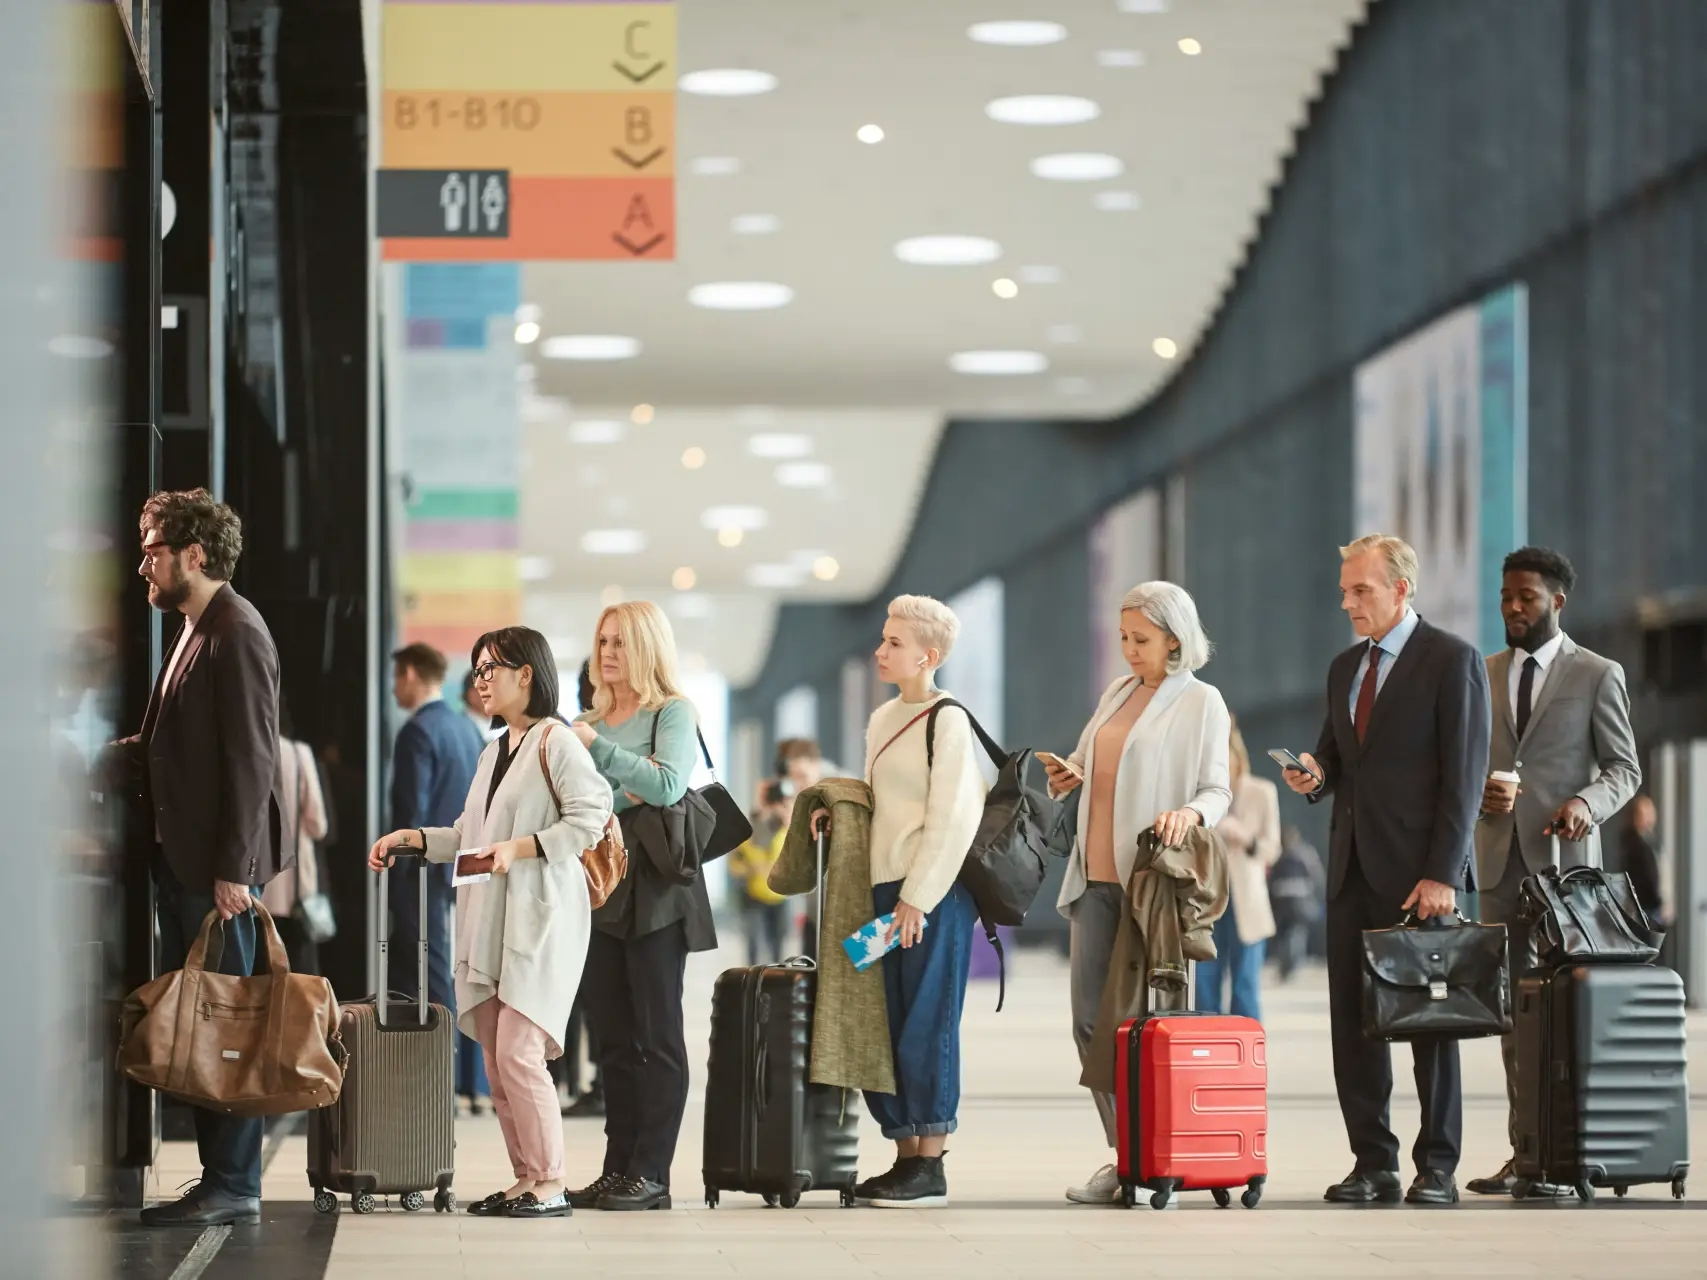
[1242, 961]
[229, 1146]
[925, 988]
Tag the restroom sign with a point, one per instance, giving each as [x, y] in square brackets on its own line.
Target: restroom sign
[444, 204]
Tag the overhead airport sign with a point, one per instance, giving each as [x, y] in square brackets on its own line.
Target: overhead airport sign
[457, 204]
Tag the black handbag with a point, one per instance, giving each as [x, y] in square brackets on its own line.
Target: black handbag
[1439, 977]
[730, 828]
[1586, 914]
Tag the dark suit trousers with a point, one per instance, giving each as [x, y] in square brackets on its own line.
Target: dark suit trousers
[633, 990]
[1363, 1068]
[229, 1146]
[1498, 905]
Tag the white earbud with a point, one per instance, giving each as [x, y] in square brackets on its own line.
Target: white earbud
[924, 662]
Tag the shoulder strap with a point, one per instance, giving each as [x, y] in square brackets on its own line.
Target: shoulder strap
[998, 757]
[652, 747]
[545, 766]
[915, 720]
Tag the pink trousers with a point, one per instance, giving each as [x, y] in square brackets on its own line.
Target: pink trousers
[522, 1092]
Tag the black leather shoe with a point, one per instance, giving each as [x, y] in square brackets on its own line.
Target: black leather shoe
[1498, 1185]
[1431, 1186]
[491, 1207]
[1376, 1187]
[528, 1205]
[205, 1206]
[634, 1194]
[587, 1197]
[591, 1103]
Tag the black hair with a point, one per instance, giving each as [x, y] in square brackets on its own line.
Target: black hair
[524, 647]
[585, 689]
[1552, 568]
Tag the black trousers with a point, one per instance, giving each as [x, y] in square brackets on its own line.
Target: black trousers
[1363, 1068]
[633, 990]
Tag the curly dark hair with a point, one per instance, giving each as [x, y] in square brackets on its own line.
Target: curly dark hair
[192, 517]
[1553, 568]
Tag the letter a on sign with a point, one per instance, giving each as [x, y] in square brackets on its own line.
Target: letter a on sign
[638, 243]
[639, 214]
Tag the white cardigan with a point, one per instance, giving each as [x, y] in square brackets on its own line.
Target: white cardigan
[523, 936]
[1175, 756]
[1251, 832]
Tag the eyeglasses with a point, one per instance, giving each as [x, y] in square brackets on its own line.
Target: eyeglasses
[483, 673]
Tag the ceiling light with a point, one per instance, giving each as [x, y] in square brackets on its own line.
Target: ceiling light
[590, 346]
[693, 457]
[1004, 288]
[1143, 6]
[1073, 386]
[609, 596]
[1117, 201]
[528, 313]
[683, 579]
[774, 576]
[1114, 58]
[998, 363]
[1065, 334]
[1017, 33]
[825, 568]
[641, 414]
[714, 166]
[1165, 347]
[727, 82]
[755, 224]
[1077, 166]
[533, 568]
[870, 134]
[526, 373]
[597, 431]
[740, 295]
[1040, 275]
[1042, 108]
[778, 444]
[948, 251]
[745, 518]
[527, 331]
[729, 537]
[613, 542]
[1190, 48]
[803, 475]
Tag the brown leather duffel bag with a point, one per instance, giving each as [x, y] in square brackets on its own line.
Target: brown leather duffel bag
[256, 1046]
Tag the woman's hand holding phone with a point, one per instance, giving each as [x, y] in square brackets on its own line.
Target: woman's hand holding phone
[1061, 778]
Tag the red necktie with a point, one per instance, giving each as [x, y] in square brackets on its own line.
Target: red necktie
[1366, 694]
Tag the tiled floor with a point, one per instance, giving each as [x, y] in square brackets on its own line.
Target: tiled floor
[1026, 1132]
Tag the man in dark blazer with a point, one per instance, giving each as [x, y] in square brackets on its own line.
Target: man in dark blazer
[205, 764]
[1403, 753]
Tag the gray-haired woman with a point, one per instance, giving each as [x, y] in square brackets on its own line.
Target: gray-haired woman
[1155, 755]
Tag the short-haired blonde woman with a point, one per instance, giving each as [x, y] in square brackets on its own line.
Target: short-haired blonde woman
[643, 736]
[1251, 834]
[1155, 757]
[925, 812]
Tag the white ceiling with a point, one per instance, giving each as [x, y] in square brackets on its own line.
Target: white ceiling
[1201, 138]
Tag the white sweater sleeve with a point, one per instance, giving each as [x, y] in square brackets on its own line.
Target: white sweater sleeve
[1214, 792]
[954, 806]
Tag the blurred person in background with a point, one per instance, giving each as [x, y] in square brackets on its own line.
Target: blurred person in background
[1251, 833]
[1296, 885]
[764, 913]
[1640, 849]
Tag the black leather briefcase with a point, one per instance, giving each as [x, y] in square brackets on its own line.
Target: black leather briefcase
[1441, 977]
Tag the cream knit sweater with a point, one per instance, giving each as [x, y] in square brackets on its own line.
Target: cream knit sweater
[923, 816]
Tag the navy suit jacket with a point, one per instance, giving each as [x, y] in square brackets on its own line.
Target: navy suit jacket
[1405, 800]
[437, 753]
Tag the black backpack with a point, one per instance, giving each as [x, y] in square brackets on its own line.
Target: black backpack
[1007, 863]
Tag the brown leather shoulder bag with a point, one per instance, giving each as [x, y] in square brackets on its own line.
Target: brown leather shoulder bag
[606, 863]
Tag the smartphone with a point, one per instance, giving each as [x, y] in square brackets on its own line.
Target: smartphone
[472, 867]
[1286, 760]
[1049, 757]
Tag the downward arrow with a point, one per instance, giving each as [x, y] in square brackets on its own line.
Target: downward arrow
[631, 162]
[638, 250]
[643, 76]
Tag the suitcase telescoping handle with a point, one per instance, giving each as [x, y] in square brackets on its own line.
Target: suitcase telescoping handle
[382, 944]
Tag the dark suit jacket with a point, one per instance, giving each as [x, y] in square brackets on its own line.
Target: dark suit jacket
[437, 752]
[211, 744]
[1405, 801]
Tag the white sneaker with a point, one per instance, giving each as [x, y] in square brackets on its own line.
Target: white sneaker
[1103, 1187]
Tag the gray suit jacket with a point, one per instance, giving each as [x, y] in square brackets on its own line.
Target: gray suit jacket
[1578, 743]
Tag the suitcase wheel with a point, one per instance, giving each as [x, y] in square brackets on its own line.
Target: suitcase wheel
[362, 1202]
[325, 1202]
[1520, 1189]
[1223, 1197]
[711, 1197]
[849, 1200]
[790, 1199]
[770, 1199]
[1585, 1191]
[1162, 1192]
[1621, 1191]
[1128, 1196]
[1253, 1194]
[1678, 1186]
[414, 1201]
[444, 1201]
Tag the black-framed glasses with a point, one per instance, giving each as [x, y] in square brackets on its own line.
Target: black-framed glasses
[483, 672]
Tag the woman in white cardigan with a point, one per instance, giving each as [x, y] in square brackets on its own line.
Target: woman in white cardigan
[521, 937]
[1251, 834]
[1155, 757]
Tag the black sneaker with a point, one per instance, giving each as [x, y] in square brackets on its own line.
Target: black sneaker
[916, 1183]
[877, 1182]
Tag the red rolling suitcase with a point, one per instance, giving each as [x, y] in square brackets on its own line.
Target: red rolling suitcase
[1191, 1105]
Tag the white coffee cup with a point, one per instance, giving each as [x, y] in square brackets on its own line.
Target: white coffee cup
[1508, 783]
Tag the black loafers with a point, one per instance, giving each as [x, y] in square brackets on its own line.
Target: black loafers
[1376, 1187]
[491, 1207]
[205, 1206]
[632, 1194]
[528, 1205]
[1433, 1187]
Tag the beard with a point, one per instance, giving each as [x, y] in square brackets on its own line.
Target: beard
[174, 593]
[1543, 630]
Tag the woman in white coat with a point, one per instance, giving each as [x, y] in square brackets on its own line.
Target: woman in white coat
[1155, 758]
[1251, 834]
[536, 804]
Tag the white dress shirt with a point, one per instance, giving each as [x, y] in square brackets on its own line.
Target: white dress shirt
[1544, 659]
[1392, 644]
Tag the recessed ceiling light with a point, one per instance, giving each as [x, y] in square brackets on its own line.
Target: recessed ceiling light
[774, 576]
[1040, 275]
[870, 134]
[693, 457]
[948, 251]
[729, 537]
[613, 542]
[1143, 6]
[526, 373]
[825, 568]
[683, 579]
[527, 331]
[740, 295]
[755, 224]
[528, 313]
[590, 346]
[1190, 48]
[1004, 288]
[998, 363]
[1042, 108]
[714, 166]
[1117, 201]
[1078, 166]
[1073, 386]
[597, 431]
[641, 414]
[803, 475]
[779, 444]
[1115, 58]
[533, 568]
[610, 595]
[727, 82]
[1165, 347]
[1065, 334]
[1017, 33]
[737, 517]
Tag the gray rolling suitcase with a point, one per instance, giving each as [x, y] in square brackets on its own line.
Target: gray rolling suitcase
[392, 1130]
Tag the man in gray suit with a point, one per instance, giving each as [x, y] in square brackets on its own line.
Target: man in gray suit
[1561, 722]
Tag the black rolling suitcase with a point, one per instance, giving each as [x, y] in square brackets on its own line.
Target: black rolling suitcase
[1602, 1088]
[768, 1129]
[392, 1130]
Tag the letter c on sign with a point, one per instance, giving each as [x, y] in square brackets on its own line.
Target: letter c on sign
[629, 41]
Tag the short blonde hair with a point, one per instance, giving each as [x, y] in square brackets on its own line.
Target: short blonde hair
[933, 622]
[650, 646]
[1400, 558]
[1172, 609]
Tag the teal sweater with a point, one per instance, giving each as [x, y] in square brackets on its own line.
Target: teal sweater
[620, 752]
